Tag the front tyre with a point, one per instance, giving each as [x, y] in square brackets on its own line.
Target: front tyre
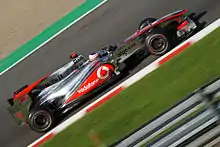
[157, 44]
[41, 120]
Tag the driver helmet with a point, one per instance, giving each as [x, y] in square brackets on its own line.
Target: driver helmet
[93, 56]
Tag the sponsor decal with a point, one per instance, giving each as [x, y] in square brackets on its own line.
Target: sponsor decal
[88, 86]
[103, 72]
[126, 49]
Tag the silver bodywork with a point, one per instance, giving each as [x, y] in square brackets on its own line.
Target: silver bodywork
[65, 88]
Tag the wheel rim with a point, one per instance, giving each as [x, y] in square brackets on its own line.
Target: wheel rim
[158, 44]
[41, 121]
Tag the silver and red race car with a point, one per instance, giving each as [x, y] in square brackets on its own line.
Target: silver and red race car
[43, 103]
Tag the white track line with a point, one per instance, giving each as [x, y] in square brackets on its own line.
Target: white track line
[58, 33]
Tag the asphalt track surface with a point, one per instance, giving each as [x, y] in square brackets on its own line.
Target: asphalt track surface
[109, 24]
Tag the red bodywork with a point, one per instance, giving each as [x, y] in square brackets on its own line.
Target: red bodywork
[185, 23]
[98, 77]
[28, 89]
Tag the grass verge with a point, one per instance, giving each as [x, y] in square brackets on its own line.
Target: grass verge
[147, 98]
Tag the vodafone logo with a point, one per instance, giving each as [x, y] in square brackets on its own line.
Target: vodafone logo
[88, 86]
[103, 72]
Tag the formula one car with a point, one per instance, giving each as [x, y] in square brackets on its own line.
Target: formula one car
[44, 102]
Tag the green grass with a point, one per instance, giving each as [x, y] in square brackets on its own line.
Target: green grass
[147, 98]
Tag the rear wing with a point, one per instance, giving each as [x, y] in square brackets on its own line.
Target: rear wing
[19, 108]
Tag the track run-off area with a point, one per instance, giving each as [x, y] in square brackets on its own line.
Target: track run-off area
[109, 24]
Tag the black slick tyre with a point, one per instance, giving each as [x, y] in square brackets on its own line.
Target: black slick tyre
[41, 120]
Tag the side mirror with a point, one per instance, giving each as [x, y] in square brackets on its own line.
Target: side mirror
[73, 55]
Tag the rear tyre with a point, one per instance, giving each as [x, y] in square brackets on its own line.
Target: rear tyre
[41, 120]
